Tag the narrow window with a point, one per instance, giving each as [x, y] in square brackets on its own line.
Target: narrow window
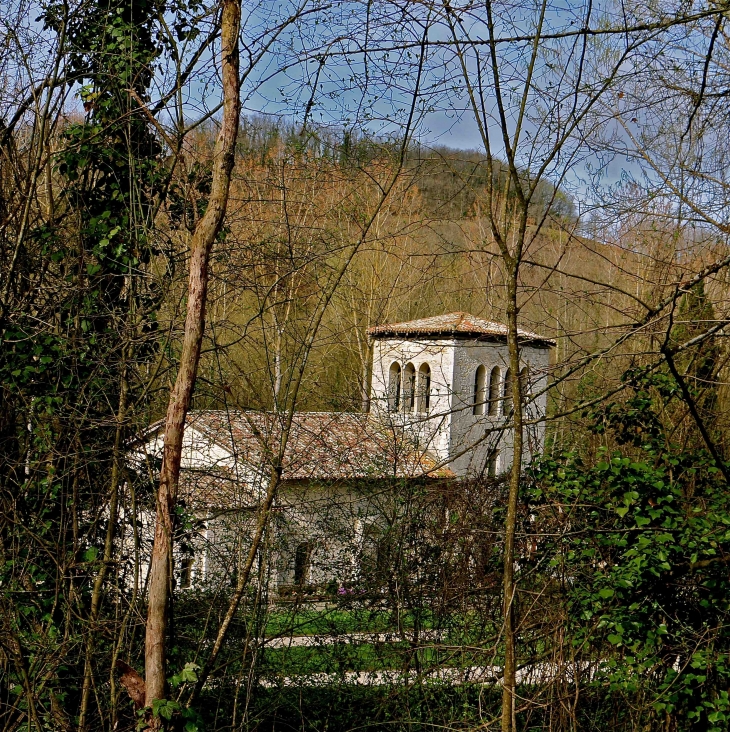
[524, 382]
[507, 394]
[186, 573]
[409, 388]
[372, 549]
[301, 563]
[394, 388]
[494, 386]
[480, 390]
[424, 388]
[493, 463]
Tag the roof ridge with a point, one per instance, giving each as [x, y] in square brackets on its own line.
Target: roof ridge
[458, 323]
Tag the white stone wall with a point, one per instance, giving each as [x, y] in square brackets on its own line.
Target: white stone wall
[433, 429]
[472, 436]
[198, 451]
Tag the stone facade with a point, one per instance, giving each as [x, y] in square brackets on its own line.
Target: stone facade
[439, 410]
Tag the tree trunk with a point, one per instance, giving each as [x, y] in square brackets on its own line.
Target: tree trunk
[205, 234]
[509, 585]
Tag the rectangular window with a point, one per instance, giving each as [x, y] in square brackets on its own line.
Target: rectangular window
[302, 558]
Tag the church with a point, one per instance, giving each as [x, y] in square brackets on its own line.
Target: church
[439, 407]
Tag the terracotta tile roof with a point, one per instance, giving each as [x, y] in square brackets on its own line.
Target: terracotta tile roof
[215, 486]
[454, 325]
[321, 446]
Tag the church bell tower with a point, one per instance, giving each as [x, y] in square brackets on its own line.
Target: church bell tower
[446, 379]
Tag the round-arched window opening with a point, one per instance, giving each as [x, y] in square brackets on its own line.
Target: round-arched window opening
[302, 559]
[409, 388]
[394, 378]
[507, 403]
[524, 382]
[424, 388]
[493, 463]
[495, 378]
[480, 390]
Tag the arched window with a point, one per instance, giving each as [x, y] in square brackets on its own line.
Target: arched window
[493, 463]
[494, 387]
[409, 388]
[301, 563]
[424, 388]
[507, 393]
[186, 572]
[394, 388]
[524, 382]
[480, 390]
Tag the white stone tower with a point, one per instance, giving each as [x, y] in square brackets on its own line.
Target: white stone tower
[446, 379]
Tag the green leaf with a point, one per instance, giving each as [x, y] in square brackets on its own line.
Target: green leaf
[165, 708]
[189, 672]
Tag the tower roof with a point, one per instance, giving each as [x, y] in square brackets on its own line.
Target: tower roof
[455, 325]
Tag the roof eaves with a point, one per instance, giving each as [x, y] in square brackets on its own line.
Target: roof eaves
[532, 338]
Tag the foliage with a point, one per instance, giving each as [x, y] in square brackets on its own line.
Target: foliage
[77, 333]
[641, 545]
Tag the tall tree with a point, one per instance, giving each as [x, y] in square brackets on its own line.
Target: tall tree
[202, 242]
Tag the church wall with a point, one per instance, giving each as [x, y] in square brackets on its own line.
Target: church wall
[198, 451]
[470, 432]
[439, 355]
[315, 536]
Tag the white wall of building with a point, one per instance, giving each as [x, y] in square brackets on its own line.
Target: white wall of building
[473, 436]
[434, 427]
[198, 450]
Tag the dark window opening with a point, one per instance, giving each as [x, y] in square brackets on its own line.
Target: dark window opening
[494, 387]
[493, 463]
[409, 388]
[374, 554]
[394, 388]
[524, 382]
[301, 563]
[480, 390]
[507, 394]
[186, 573]
[424, 388]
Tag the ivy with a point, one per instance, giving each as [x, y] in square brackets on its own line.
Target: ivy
[67, 347]
[644, 542]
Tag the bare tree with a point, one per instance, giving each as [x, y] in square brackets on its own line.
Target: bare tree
[201, 244]
[534, 90]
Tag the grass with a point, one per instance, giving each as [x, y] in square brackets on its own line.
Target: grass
[336, 621]
[345, 657]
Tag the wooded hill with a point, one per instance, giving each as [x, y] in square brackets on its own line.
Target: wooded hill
[326, 235]
[295, 211]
